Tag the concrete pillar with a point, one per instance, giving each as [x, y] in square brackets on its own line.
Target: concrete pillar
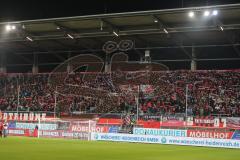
[147, 56]
[193, 62]
[193, 65]
[3, 70]
[35, 68]
[3, 62]
[107, 67]
[69, 68]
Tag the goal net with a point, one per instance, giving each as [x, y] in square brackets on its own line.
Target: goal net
[71, 129]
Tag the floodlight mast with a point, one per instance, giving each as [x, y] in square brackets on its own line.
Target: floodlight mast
[186, 101]
[55, 102]
[137, 102]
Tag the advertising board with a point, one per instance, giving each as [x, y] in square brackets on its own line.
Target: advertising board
[206, 142]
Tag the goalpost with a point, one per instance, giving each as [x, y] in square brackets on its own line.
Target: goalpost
[69, 128]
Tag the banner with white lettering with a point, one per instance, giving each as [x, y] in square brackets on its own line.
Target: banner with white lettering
[160, 132]
[206, 142]
[23, 116]
[209, 134]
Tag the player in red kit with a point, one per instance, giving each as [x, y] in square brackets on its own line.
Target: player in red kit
[1, 129]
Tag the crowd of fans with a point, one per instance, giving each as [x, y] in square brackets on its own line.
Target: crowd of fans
[208, 92]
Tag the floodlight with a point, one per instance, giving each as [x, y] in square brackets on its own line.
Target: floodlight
[70, 36]
[115, 33]
[206, 13]
[8, 27]
[221, 28]
[215, 12]
[29, 38]
[191, 14]
[165, 30]
[13, 27]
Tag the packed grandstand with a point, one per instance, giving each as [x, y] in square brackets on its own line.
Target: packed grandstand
[162, 76]
[209, 92]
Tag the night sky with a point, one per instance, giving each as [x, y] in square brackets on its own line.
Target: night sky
[36, 9]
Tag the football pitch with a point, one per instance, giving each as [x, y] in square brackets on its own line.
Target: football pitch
[19, 148]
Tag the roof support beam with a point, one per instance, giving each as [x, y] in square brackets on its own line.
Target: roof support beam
[145, 42]
[204, 59]
[67, 30]
[28, 60]
[138, 48]
[174, 39]
[230, 37]
[30, 45]
[113, 28]
[109, 24]
[64, 28]
[24, 33]
[165, 60]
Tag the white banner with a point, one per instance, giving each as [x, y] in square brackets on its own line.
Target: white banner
[206, 142]
[43, 126]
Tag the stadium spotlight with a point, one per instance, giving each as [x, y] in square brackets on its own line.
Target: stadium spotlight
[70, 36]
[191, 14]
[221, 28]
[206, 13]
[8, 27]
[115, 33]
[29, 38]
[165, 31]
[13, 27]
[215, 12]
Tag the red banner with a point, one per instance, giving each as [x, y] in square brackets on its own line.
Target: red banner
[233, 122]
[203, 121]
[109, 121]
[172, 123]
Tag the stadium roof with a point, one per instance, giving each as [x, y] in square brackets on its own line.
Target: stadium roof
[169, 34]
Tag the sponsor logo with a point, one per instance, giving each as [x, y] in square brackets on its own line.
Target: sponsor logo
[98, 129]
[96, 136]
[160, 132]
[236, 135]
[209, 134]
[163, 140]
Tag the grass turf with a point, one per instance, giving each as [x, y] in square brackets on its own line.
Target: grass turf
[19, 148]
